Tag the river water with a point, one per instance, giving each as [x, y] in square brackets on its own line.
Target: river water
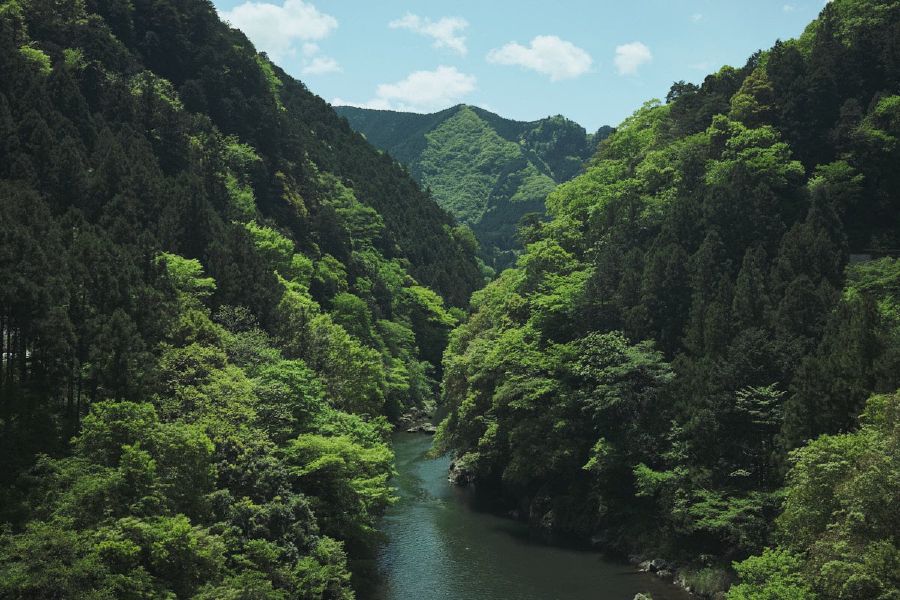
[439, 548]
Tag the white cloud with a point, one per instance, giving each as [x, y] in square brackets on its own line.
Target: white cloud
[285, 30]
[629, 57]
[421, 91]
[320, 65]
[445, 32]
[788, 8]
[547, 54]
[696, 17]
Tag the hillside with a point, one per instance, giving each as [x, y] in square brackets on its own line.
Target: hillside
[212, 293]
[685, 361]
[487, 171]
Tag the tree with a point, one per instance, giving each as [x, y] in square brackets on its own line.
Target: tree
[838, 528]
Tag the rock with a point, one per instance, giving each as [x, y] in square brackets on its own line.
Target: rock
[459, 474]
[642, 597]
[644, 566]
[665, 574]
[658, 564]
[416, 420]
[428, 428]
[548, 521]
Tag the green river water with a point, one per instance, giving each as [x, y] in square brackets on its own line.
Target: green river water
[440, 548]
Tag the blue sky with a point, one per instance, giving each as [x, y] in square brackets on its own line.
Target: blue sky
[592, 61]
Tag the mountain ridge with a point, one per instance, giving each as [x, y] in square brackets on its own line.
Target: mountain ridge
[686, 362]
[487, 170]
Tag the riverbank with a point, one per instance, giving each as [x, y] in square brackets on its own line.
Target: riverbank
[440, 546]
[708, 581]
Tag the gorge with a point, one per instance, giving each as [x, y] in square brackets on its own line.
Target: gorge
[220, 295]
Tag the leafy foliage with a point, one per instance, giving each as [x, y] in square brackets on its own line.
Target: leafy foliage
[715, 291]
[489, 172]
[212, 291]
[839, 526]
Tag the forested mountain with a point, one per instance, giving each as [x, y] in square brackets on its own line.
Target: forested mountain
[488, 171]
[698, 356]
[212, 292]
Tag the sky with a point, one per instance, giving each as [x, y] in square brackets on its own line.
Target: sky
[593, 61]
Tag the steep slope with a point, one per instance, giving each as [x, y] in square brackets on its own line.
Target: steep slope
[690, 316]
[212, 291]
[486, 170]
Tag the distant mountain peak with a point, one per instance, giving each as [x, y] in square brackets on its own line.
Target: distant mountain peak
[488, 170]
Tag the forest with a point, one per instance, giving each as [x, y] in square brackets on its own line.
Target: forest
[699, 355]
[217, 300]
[214, 296]
[489, 172]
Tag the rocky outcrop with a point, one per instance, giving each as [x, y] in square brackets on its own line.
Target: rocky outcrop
[658, 566]
[459, 474]
[416, 420]
[426, 427]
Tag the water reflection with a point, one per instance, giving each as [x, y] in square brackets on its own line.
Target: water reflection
[438, 547]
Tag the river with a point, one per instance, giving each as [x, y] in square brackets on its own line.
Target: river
[438, 547]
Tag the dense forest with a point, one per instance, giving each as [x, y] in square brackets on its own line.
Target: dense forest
[217, 298]
[489, 172]
[698, 356]
[212, 294]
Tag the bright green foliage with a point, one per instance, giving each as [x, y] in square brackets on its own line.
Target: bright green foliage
[489, 172]
[691, 315]
[774, 575]
[272, 79]
[186, 275]
[189, 495]
[241, 161]
[241, 196]
[203, 271]
[329, 277]
[347, 483]
[274, 248]
[352, 313]
[839, 525]
[353, 374]
[453, 147]
[212, 292]
[38, 58]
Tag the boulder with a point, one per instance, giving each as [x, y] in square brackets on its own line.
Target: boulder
[658, 564]
[548, 521]
[416, 420]
[459, 475]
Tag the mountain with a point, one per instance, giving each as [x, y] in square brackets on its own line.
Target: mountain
[212, 294]
[698, 356]
[487, 171]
